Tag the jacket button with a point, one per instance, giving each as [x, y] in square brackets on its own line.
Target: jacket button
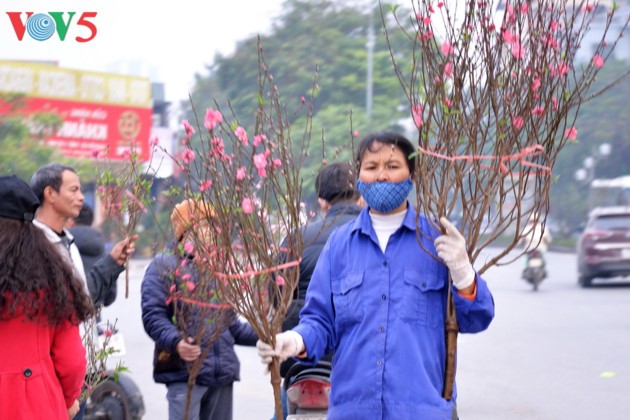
[27, 372]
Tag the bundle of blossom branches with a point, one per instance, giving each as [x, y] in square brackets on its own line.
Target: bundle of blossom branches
[494, 95]
[250, 178]
[125, 190]
[199, 312]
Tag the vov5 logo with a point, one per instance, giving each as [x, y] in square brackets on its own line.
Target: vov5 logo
[41, 26]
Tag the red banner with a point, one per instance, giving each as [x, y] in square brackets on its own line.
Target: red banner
[90, 130]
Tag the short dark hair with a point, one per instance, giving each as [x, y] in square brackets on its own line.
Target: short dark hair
[336, 182]
[50, 175]
[392, 138]
[86, 216]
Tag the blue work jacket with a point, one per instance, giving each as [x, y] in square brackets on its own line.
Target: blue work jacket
[383, 315]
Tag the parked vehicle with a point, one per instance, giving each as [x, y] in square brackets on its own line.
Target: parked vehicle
[534, 271]
[603, 249]
[117, 397]
[308, 389]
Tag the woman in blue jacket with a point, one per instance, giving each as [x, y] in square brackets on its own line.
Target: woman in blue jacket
[378, 299]
[175, 270]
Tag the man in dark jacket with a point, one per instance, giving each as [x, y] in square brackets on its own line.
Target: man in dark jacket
[91, 244]
[337, 198]
[190, 327]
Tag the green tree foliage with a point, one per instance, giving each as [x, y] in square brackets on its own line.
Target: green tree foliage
[22, 146]
[312, 39]
[22, 149]
[329, 38]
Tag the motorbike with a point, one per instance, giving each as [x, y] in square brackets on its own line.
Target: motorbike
[534, 271]
[308, 389]
[116, 397]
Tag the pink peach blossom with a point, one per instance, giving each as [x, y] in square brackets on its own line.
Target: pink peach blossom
[355, 134]
[280, 280]
[205, 185]
[416, 112]
[518, 122]
[260, 161]
[240, 173]
[598, 61]
[517, 50]
[241, 134]
[258, 138]
[536, 84]
[508, 37]
[213, 118]
[190, 286]
[538, 111]
[448, 70]
[189, 129]
[189, 248]
[446, 48]
[570, 133]
[188, 156]
[248, 207]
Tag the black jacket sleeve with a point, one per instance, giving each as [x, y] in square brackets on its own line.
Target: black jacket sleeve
[101, 279]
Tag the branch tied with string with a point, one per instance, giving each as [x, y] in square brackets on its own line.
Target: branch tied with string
[494, 94]
[250, 179]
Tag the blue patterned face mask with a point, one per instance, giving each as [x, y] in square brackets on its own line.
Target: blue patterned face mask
[385, 196]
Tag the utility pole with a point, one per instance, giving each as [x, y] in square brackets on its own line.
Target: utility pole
[370, 54]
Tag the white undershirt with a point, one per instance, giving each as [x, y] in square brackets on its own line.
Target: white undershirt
[385, 225]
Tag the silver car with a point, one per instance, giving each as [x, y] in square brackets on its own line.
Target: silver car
[604, 246]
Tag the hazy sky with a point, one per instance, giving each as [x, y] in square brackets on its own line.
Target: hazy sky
[173, 40]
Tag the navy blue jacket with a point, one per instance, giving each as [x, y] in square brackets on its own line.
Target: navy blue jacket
[314, 237]
[221, 366]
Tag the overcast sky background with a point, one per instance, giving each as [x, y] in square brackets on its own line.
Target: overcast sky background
[173, 40]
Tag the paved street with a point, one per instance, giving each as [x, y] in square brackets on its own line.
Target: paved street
[559, 353]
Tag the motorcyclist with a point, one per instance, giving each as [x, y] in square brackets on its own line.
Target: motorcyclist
[535, 237]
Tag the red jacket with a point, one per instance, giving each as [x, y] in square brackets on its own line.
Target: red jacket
[41, 369]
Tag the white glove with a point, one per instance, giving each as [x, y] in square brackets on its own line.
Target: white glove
[451, 247]
[288, 344]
